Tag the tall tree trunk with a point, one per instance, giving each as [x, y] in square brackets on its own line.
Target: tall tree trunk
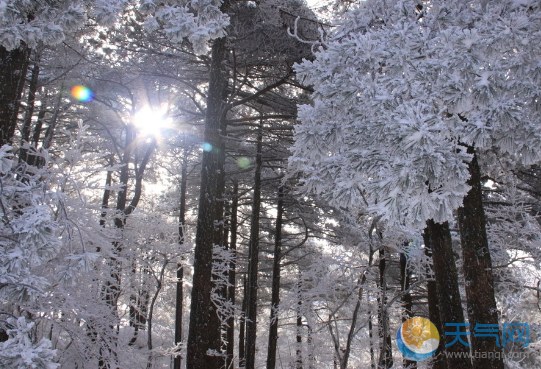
[242, 328]
[298, 361]
[253, 258]
[352, 328]
[386, 353]
[407, 302]
[481, 303]
[13, 68]
[36, 134]
[30, 105]
[449, 302]
[438, 360]
[218, 283]
[179, 298]
[310, 344]
[371, 335]
[111, 287]
[275, 297]
[230, 335]
[198, 336]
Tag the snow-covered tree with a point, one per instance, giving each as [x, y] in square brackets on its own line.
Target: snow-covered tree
[407, 95]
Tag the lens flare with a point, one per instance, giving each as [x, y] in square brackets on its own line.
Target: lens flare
[207, 147]
[243, 162]
[82, 93]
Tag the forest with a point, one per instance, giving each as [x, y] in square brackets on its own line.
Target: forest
[278, 184]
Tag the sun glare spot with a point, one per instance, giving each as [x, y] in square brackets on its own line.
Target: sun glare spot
[151, 122]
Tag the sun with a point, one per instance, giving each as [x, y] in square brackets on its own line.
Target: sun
[150, 122]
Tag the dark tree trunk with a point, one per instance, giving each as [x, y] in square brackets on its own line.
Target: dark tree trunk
[198, 336]
[449, 302]
[275, 297]
[36, 135]
[111, 288]
[232, 276]
[30, 105]
[481, 303]
[298, 362]
[438, 360]
[386, 353]
[253, 258]
[13, 68]
[215, 317]
[407, 302]
[179, 297]
[242, 328]
[352, 328]
[371, 336]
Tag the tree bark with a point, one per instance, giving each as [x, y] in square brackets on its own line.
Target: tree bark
[253, 258]
[198, 336]
[230, 334]
[242, 328]
[13, 69]
[481, 303]
[407, 302]
[449, 301]
[298, 361]
[386, 353]
[218, 285]
[179, 297]
[275, 296]
[30, 105]
[438, 360]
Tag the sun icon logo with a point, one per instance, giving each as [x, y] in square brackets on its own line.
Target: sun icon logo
[417, 338]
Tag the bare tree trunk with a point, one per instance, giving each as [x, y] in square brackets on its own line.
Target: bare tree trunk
[36, 134]
[13, 69]
[232, 276]
[298, 361]
[253, 258]
[242, 328]
[407, 302]
[371, 335]
[360, 283]
[438, 360]
[275, 297]
[198, 336]
[179, 298]
[449, 301]
[481, 303]
[30, 105]
[215, 317]
[111, 287]
[159, 284]
[386, 354]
